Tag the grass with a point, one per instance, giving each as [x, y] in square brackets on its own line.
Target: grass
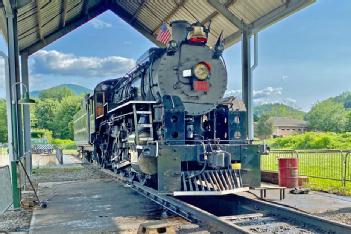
[57, 169]
[325, 169]
[70, 151]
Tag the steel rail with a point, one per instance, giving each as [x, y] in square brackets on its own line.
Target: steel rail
[311, 220]
[182, 209]
[221, 224]
[187, 211]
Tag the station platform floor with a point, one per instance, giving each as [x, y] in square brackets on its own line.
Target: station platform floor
[93, 206]
[105, 205]
[314, 202]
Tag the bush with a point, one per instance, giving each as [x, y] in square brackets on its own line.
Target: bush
[37, 133]
[313, 140]
[65, 144]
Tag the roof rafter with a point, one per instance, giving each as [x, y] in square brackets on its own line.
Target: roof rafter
[126, 16]
[227, 14]
[70, 26]
[170, 15]
[284, 10]
[216, 13]
[85, 8]
[138, 10]
[40, 24]
[233, 38]
[64, 12]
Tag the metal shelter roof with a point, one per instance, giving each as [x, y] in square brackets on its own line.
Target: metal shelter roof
[40, 22]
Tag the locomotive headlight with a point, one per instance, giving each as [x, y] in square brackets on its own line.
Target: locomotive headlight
[202, 70]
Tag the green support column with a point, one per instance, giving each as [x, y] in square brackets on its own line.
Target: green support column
[16, 194]
[13, 94]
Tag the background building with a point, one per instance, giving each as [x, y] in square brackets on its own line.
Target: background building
[284, 126]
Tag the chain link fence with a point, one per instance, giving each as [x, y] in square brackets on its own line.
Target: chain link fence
[328, 170]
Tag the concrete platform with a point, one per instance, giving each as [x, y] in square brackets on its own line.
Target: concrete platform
[313, 202]
[93, 206]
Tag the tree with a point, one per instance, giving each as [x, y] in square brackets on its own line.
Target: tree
[278, 110]
[44, 112]
[327, 116]
[3, 121]
[57, 93]
[348, 122]
[63, 121]
[264, 127]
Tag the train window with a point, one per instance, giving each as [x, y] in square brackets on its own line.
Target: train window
[100, 100]
[237, 135]
[91, 108]
[237, 119]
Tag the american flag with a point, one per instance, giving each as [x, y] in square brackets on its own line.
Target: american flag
[163, 34]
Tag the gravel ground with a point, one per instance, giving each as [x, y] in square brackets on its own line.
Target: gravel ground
[19, 220]
[341, 215]
[15, 221]
[68, 173]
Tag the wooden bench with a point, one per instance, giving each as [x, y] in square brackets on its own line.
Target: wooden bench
[263, 191]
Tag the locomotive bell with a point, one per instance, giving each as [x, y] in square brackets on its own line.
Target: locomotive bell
[180, 30]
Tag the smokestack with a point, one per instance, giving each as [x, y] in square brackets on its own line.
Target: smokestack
[180, 30]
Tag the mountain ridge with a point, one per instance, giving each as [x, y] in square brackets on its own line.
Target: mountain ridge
[76, 89]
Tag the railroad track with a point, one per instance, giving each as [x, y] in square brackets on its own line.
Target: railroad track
[239, 214]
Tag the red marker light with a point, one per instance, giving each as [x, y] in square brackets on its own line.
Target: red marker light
[198, 39]
[201, 85]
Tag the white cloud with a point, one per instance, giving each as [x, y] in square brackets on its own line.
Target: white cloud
[265, 96]
[267, 92]
[53, 62]
[100, 24]
[233, 92]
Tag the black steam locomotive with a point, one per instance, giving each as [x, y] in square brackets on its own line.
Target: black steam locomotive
[166, 124]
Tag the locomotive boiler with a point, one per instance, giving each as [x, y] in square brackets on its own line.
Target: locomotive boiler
[165, 124]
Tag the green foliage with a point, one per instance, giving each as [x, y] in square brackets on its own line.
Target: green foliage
[278, 110]
[66, 144]
[63, 121]
[313, 140]
[44, 112]
[55, 110]
[344, 99]
[264, 127]
[3, 121]
[42, 133]
[327, 116]
[57, 93]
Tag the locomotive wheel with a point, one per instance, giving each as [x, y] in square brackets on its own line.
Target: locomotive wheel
[146, 180]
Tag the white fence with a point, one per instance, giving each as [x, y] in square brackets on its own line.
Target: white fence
[5, 191]
[4, 157]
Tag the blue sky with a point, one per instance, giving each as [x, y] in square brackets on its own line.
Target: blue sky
[302, 59]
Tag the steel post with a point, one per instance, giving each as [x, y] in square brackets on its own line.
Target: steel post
[247, 91]
[12, 96]
[26, 117]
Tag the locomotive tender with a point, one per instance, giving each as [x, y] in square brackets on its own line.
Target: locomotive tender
[165, 124]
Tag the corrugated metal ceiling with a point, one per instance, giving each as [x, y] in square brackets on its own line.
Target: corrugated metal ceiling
[42, 21]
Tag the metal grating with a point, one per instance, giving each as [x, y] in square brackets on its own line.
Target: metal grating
[211, 180]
